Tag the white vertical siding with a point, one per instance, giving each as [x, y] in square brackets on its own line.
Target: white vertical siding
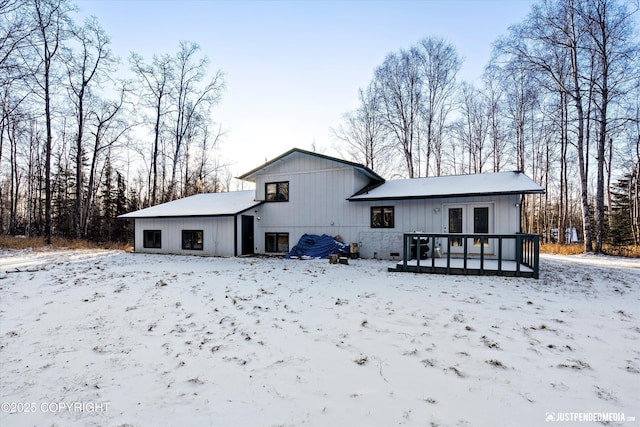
[218, 235]
[318, 192]
[318, 198]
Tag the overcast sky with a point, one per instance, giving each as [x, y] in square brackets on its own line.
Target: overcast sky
[293, 68]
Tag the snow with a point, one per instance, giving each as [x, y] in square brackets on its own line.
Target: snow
[458, 185]
[167, 340]
[208, 204]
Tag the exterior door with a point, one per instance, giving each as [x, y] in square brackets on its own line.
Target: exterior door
[247, 234]
[469, 218]
[455, 222]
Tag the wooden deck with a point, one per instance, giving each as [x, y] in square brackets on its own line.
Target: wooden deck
[522, 260]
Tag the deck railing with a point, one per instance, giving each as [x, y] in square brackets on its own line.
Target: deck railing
[424, 248]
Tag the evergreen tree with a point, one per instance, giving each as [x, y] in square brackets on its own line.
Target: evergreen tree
[621, 232]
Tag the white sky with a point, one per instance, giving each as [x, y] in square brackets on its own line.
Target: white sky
[293, 68]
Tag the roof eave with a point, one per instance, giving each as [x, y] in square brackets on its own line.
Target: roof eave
[130, 216]
[249, 176]
[442, 196]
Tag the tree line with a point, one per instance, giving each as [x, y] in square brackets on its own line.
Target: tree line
[559, 100]
[72, 132]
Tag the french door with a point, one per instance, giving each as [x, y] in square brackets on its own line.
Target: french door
[466, 219]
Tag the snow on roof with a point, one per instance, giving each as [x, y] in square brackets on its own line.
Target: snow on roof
[250, 176]
[458, 185]
[209, 204]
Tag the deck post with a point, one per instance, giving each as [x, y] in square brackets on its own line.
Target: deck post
[448, 255]
[482, 255]
[464, 250]
[416, 241]
[536, 256]
[406, 251]
[519, 249]
[433, 253]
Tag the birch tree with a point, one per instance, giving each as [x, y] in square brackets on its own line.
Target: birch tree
[363, 135]
[191, 102]
[154, 79]
[51, 22]
[614, 50]
[439, 64]
[87, 66]
[398, 84]
[551, 35]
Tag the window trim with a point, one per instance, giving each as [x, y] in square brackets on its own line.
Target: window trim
[277, 235]
[157, 245]
[192, 240]
[382, 211]
[277, 184]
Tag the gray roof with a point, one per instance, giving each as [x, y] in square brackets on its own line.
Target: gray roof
[249, 176]
[452, 186]
[209, 204]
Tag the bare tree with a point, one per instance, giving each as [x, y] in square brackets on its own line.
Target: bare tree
[439, 64]
[107, 129]
[15, 30]
[191, 103]
[155, 79]
[50, 18]
[205, 166]
[87, 66]
[614, 51]
[398, 84]
[495, 100]
[363, 135]
[550, 36]
[473, 127]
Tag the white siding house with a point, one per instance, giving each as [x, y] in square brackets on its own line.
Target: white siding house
[204, 224]
[301, 192]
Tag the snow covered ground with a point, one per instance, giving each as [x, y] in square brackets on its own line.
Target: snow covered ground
[107, 338]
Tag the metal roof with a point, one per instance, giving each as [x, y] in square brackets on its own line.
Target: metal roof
[452, 186]
[209, 204]
[249, 176]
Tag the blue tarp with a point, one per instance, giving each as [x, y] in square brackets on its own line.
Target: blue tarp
[314, 246]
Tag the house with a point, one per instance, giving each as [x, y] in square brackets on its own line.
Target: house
[301, 192]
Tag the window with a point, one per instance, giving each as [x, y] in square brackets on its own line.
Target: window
[192, 240]
[382, 217]
[480, 224]
[276, 242]
[152, 239]
[455, 225]
[277, 191]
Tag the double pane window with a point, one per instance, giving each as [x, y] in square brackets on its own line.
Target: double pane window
[277, 242]
[192, 240]
[277, 191]
[382, 217]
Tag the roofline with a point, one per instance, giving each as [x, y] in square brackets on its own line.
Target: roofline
[444, 196]
[176, 216]
[311, 153]
[125, 216]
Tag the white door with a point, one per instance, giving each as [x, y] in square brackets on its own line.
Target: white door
[469, 218]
